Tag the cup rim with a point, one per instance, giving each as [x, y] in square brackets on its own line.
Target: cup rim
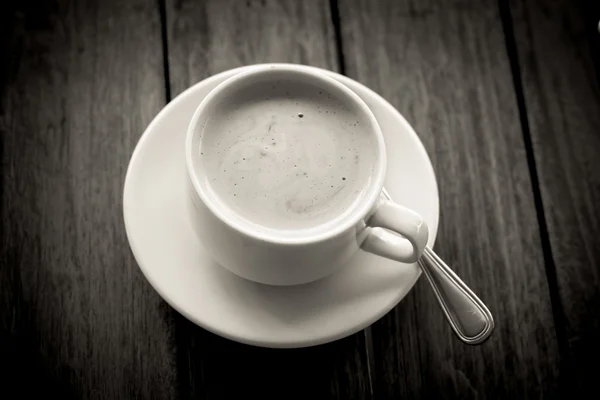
[359, 213]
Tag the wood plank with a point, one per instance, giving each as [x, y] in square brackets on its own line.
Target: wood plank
[444, 65]
[216, 368]
[205, 38]
[80, 82]
[555, 42]
[212, 36]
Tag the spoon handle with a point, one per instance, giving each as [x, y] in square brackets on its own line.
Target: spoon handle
[468, 316]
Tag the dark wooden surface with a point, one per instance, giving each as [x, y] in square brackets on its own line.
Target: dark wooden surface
[561, 99]
[81, 80]
[444, 66]
[504, 95]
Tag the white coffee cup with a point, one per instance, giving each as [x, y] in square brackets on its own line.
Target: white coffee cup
[288, 260]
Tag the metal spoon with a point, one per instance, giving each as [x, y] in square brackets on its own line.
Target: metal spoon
[469, 318]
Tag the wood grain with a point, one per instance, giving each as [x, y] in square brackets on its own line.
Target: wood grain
[215, 368]
[444, 65]
[215, 35]
[209, 37]
[562, 105]
[81, 81]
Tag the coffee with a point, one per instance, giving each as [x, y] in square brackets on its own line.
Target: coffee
[287, 156]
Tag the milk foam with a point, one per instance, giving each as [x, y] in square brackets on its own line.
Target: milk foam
[287, 156]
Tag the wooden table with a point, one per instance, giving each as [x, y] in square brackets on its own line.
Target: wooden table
[504, 95]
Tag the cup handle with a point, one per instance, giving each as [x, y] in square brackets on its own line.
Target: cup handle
[408, 236]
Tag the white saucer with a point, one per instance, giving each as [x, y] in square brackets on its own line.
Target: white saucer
[175, 264]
